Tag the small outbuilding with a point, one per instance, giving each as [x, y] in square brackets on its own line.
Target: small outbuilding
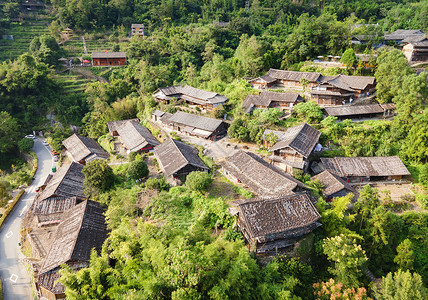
[272, 224]
[268, 99]
[108, 59]
[334, 186]
[360, 111]
[136, 138]
[114, 125]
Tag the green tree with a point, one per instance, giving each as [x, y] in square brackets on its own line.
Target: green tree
[11, 9]
[349, 59]
[137, 169]
[25, 144]
[309, 112]
[8, 132]
[99, 177]
[401, 286]
[198, 181]
[4, 193]
[45, 49]
[348, 258]
[405, 257]
[423, 175]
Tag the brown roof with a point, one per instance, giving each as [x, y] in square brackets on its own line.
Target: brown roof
[349, 83]
[267, 97]
[66, 182]
[263, 179]
[82, 228]
[108, 55]
[82, 147]
[135, 136]
[401, 34]
[365, 166]
[190, 94]
[49, 279]
[174, 155]
[351, 110]
[301, 138]
[293, 75]
[332, 183]
[386, 106]
[274, 216]
[55, 205]
[114, 125]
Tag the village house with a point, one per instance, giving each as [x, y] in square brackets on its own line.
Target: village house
[137, 29]
[114, 125]
[267, 99]
[341, 89]
[270, 225]
[259, 176]
[281, 78]
[82, 229]
[66, 182]
[293, 148]
[82, 149]
[396, 37]
[136, 138]
[354, 112]
[108, 59]
[416, 51]
[196, 125]
[362, 169]
[195, 97]
[334, 186]
[177, 159]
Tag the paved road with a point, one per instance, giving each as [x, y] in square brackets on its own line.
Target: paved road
[15, 278]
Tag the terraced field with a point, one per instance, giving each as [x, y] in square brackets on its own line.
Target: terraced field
[73, 83]
[94, 43]
[23, 33]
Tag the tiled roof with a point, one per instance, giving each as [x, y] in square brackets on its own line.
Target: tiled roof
[190, 94]
[66, 182]
[332, 183]
[276, 216]
[135, 136]
[108, 55]
[82, 147]
[351, 110]
[365, 166]
[196, 121]
[114, 125]
[301, 138]
[82, 228]
[174, 155]
[263, 179]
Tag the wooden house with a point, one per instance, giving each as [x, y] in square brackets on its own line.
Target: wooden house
[113, 125]
[267, 99]
[196, 125]
[108, 59]
[49, 212]
[66, 182]
[416, 51]
[137, 29]
[199, 98]
[177, 159]
[294, 147]
[360, 111]
[82, 229]
[270, 225]
[259, 176]
[362, 169]
[136, 138]
[341, 89]
[281, 78]
[82, 149]
[334, 186]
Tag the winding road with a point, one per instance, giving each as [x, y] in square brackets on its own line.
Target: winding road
[14, 276]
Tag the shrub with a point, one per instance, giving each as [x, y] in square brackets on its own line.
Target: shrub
[198, 181]
[132, 156]
[99, 177]
[157, 184]
[137, 169]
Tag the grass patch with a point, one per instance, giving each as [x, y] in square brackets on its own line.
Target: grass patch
[10, 206]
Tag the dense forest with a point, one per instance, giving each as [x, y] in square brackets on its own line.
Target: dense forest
[184, 244]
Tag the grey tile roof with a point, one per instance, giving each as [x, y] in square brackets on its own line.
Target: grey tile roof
[108, 55]
[349, 83]
[114, 125]
[332, 183]
[301, 138]
[190, 94]
[263, 179]
[293, 75]
[82, 228]
[275, 216]
[196, 121]
[55, 205]
[82, 147]
[365, 166]
[135, 136]
[351, 110]
[401, 34]
[66, 182]
[174, 155]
